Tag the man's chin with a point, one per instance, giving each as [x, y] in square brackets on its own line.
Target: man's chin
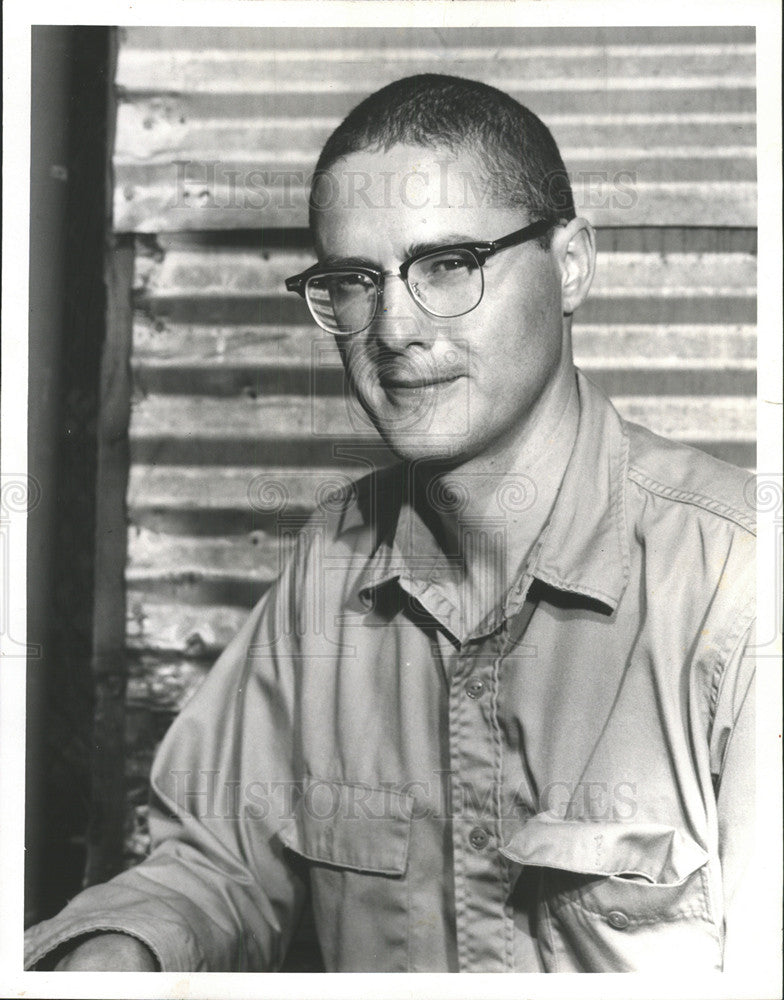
[441, 449]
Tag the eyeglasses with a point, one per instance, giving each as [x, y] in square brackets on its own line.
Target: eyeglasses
[446, 282]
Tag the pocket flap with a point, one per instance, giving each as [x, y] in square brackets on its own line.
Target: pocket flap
[351, 826]
[658, 853]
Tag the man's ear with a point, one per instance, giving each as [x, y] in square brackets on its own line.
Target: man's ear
[574, 246]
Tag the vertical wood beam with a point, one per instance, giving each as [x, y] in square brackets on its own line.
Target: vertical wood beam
[50, 80]
[105, 834]
[109, 666]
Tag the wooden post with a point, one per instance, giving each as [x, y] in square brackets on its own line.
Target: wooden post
[105, 834]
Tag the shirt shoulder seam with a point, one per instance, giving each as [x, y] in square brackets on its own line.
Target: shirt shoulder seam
[706, 503]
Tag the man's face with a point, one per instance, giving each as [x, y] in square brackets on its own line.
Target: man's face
[437, 388]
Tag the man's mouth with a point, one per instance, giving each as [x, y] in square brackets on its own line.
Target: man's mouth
[421, 382]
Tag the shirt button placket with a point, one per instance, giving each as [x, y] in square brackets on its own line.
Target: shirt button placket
[483, 927]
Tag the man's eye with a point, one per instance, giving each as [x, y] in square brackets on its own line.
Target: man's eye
[449, 266]
[348, 284]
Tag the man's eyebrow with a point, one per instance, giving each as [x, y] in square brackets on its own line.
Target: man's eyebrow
[447, 240]
[352, 260]
[413, 250]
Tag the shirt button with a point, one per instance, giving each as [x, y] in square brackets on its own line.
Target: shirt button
[475, 688]
[478, 838]
[617, 920]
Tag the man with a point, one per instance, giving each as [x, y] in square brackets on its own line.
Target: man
[496, 713]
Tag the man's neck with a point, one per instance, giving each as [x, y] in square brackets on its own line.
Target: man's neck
[494, 509]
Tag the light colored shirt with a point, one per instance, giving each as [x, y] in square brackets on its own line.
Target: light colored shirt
[566, 788]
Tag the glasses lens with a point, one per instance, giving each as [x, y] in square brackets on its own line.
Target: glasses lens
[448, 283]
[342, 302]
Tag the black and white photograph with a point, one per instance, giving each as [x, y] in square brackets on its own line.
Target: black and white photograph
[392, 510]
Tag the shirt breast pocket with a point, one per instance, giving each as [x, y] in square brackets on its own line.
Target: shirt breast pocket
[354, 840]
[619, 897]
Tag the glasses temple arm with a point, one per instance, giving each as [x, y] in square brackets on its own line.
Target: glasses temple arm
[527, 233]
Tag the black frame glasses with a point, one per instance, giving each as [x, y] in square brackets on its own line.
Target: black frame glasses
[479, 251]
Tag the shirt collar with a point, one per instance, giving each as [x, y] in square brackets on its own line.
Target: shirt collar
[584, 548]
[404, 546]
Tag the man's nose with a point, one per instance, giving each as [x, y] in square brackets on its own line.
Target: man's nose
[399, 321]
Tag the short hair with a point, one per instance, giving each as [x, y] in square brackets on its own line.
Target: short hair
[522, 159]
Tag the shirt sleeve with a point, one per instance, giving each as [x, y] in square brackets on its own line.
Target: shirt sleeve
[216, 893]
[734, 725]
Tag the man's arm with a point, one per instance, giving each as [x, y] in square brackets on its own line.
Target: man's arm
[104, 952]
[216, 892]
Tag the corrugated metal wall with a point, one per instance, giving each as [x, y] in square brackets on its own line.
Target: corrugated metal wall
[217, 132]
